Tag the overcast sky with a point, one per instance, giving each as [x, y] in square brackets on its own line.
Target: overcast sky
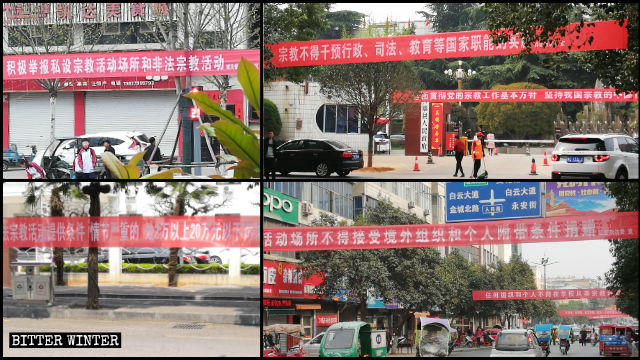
[578, 258]
[379, 12]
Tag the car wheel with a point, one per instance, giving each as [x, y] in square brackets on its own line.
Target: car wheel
[215, 260]
[622, 174]
[343, 172]
[322, 169]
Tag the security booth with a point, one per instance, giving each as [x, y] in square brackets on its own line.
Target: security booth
[31, 286]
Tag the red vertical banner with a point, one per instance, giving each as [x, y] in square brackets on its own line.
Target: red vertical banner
[451, 140]
[437, 126]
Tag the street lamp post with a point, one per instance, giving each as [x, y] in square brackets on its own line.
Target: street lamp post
[459, 75]
[544, 262]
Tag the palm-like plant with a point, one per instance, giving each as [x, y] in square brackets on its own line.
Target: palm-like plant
[59, 191]
[178, 198]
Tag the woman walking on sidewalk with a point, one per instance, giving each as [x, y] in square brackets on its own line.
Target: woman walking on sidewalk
[459, 149]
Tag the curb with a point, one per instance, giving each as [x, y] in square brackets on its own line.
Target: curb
[163, 297]
[63, 312]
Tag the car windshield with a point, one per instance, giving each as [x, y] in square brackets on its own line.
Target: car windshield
[581, 144]
[512, 342]
[142, 137]
[339, 339]
[337, 144]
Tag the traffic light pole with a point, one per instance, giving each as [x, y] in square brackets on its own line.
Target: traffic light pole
[187, 130]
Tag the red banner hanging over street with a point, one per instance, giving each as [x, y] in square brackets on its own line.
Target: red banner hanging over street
[607, 316]
[132, 231]
[523, 95]
[437, 126]
[610, 225]
[606, 35]
[129, 64]
[542, 294]
[608, 312]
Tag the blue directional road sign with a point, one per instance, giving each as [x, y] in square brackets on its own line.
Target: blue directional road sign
[476, 201]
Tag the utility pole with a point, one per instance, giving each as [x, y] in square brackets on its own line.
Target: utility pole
[544, 262]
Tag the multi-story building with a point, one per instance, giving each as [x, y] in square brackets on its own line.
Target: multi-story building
[113, 103]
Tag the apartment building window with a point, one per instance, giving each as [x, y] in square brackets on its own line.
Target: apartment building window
[340, 119]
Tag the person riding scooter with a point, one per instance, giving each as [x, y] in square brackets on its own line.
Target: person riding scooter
[564, 342]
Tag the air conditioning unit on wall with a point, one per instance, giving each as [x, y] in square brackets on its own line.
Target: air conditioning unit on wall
[306, 208]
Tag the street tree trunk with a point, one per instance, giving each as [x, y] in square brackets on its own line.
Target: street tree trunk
[370, 150]
[178, 210]
[93, 291]
[57, 210]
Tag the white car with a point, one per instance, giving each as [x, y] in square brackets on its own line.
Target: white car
[220, 255]
[609, 156]
[311, 348]
[516, 343]
[381, 143]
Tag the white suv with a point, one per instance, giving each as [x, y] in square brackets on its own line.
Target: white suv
[609, 156]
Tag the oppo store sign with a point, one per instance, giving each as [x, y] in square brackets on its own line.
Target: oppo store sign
[280, 206]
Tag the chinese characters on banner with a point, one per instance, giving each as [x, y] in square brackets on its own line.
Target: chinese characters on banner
[132, 231]
[623, 225]
[607, 316]
[437, 126]
[542, 294]
[116, 64]
[611, 313]
[523, 95]
[451, 140]
[286, 280]
[326, 320]
[424, 127]
[606, 35]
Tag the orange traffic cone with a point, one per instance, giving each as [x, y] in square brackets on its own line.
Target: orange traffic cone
[415, 167]
[545, 160]
[533, 167]
[495, 151]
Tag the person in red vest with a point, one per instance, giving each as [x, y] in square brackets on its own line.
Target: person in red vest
[34, 171]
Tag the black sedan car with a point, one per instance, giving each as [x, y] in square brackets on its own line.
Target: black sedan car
[320, 156]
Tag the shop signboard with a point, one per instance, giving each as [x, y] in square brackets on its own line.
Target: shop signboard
[279, 206]
[326, 319]
[492, 201]
[285, 280]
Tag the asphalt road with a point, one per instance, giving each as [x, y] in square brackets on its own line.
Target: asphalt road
[575, 350]
[141, 338]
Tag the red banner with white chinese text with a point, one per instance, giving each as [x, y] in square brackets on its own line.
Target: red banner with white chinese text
[132, 231]
[522, 95]
[326, 320]
[451, 140]
[437, 126]
[621, 225]
[608, 316]
[606, 35]
[610, 313]
[129, 64]
[542, 294]
[285, 280]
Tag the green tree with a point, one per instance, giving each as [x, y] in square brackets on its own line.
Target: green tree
[540, 21]
[624, 272]
[182, 199]
[271, 118]
[455, 287]
[59, 192]
[369, 87]
[341, 23]
[516, 120]
[291, 22]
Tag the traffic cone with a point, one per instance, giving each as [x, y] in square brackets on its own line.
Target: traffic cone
[495, 150]
[415, 167]
[533, 167]
[545, 160]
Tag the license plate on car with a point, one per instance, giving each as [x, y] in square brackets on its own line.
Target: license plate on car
[575, 159]
[356, 156]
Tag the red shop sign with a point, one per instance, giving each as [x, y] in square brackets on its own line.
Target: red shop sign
[285, 280]
[542, 294]
[120, 64]
[606, 35]
[521, 95]
[599, 226]
[276, 303]
[128, 231]
[326, 320]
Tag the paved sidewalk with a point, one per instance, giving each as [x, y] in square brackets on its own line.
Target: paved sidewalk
[225, 305]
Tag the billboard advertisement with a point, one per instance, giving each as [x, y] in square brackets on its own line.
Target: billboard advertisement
[478, 201]
[577, 199]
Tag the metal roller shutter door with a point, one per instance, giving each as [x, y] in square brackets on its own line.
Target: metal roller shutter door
[144, 111]
[29, 119]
